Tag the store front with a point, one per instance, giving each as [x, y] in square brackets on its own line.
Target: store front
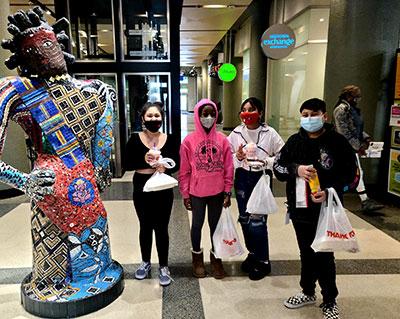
[300, 75]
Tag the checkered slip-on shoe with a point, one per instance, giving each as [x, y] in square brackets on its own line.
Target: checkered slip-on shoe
[299, 300]
[330, 310]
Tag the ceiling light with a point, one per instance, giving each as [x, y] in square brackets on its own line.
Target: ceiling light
[290, 59]
[321, 20]
[215, 6]
[318, 41]
[305, 52]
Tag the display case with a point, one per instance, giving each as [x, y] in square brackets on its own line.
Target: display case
[145, 30]
[146, 87]
[92, 31]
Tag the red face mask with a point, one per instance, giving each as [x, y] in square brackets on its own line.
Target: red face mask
[249, 118]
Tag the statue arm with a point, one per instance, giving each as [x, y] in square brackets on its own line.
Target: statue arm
[8, 98]
[102, 146]
[36, 184]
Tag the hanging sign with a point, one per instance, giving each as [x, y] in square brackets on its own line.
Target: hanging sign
[278, 41]
[227, 72]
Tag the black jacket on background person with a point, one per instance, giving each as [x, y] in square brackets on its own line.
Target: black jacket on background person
[330, 154]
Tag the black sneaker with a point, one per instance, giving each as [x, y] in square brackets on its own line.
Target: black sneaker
[260, 270]
[248, 264]
[330, 310]
[370, 205]
[299, 300]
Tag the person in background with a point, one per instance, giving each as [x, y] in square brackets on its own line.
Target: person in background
[333, 160]
[205, 180]
[265, 143]
[153, 208]
[348, 121]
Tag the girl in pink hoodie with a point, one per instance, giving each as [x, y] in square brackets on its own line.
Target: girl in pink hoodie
[205, 179]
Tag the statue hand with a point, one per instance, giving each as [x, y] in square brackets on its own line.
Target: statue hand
[103, 178]
[39, 183]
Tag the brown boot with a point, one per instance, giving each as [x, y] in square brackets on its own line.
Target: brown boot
[217, 269]
[198, 264]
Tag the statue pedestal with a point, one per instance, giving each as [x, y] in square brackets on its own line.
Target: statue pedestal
[75, 298]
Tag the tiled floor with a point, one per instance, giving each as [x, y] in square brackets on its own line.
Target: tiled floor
[369, 282]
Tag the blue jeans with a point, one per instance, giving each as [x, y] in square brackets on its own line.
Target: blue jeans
[254, 227]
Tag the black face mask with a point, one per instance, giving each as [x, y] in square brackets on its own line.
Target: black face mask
[152, 126]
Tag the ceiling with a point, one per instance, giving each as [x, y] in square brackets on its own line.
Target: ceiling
[202, 28]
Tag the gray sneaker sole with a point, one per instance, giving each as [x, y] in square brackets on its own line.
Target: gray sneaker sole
[292, 306]
[144, 276]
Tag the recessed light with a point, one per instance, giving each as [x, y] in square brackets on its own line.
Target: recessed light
[215, 6]
[290, 59]
[321, 20]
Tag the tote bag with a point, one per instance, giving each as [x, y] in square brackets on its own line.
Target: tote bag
[225, 238]
[334, 231]
[262, 201]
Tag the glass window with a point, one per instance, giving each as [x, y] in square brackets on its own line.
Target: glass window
[142, 88]
[92, 29]
[145, 29]
[300, 75]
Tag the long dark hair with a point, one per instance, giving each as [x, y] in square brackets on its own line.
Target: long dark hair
[254, 102]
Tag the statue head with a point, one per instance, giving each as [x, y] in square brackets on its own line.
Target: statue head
[35, 45]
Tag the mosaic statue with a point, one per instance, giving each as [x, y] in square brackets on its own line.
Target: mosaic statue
[69, 123]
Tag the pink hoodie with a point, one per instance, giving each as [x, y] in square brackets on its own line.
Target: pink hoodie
[206, 167]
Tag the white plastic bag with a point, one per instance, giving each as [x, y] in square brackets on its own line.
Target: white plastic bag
[262, 201]
[160, 181]
[225, 238]
[334, 231]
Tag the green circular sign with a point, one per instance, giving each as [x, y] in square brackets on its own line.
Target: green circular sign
[227, 72]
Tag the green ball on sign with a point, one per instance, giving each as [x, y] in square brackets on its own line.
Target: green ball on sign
[227, 72]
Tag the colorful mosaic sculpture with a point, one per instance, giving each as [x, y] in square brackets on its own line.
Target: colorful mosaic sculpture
[70, 124]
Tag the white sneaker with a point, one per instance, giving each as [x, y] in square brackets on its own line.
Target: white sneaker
[165, 276]
[143, 271]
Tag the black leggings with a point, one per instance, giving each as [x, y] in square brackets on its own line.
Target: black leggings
[214, 207]
[154, 211]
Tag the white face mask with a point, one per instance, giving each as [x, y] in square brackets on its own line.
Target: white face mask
[208, 121]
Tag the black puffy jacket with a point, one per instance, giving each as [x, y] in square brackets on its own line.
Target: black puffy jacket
[330, 154]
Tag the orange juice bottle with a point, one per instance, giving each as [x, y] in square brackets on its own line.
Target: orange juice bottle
[314, 183]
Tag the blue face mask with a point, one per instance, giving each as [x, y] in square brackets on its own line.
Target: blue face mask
[312, 123]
